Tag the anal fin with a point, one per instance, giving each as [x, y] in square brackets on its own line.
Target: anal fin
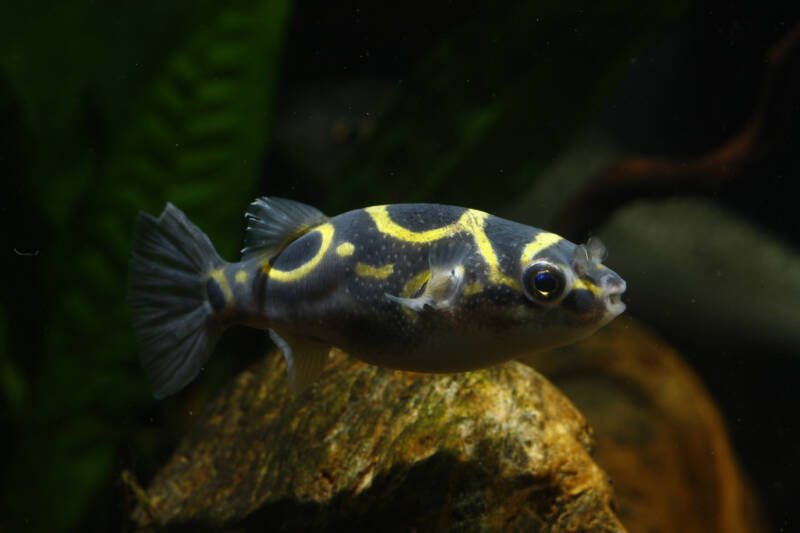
[305, 359]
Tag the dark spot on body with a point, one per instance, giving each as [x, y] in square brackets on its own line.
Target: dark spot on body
[424, 217]
[298, 252]
[579, 301]
[215, 295]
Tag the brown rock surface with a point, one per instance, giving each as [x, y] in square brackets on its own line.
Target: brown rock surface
[658, 433]
[499, 449]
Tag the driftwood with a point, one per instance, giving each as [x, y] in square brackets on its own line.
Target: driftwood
[768, 129]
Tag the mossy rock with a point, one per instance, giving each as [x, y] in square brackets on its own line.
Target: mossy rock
[497, 449]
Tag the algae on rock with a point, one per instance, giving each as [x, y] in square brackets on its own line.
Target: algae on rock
[496, 449]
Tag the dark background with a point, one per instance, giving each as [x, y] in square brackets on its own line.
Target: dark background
[108, 109]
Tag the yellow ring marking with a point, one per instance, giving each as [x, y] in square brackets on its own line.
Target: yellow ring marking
[539, 243]
[326, 231]
[219, 276]
[368, 271]
[241, 276]
[345, 249]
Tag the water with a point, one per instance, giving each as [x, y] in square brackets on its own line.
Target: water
[514, 110]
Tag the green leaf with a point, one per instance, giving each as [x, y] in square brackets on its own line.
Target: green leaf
[184, 118]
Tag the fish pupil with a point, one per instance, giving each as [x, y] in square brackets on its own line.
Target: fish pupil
[545, 282]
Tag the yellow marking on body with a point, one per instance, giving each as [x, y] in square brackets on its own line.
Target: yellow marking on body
[326, 232]
[540, 242]
[345, 249]
[473, 288]
[475, 222]
[472, 221]
[219, 276]
[368, 271]
[385, 224]
[241, 276]
[415, 283]
[587, 285]
[410, 289]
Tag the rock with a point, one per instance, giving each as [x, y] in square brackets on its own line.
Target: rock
[497, 449]
[658, 433]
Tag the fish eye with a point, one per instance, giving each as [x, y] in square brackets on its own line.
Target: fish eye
[543, 282]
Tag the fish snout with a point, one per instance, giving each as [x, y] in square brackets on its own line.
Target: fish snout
[613, 286]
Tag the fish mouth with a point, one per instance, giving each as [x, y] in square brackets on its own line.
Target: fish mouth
[614, 304]
[613, 296]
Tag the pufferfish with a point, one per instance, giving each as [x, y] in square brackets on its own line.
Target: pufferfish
[418, 287]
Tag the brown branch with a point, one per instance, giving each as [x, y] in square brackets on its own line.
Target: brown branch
[640, 176]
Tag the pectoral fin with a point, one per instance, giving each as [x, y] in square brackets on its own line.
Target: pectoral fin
[446, 262]
[305, 359]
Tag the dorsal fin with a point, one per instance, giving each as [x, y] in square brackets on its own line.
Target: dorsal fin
[272, 223]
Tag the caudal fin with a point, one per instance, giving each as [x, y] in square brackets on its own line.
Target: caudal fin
[172, 317]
